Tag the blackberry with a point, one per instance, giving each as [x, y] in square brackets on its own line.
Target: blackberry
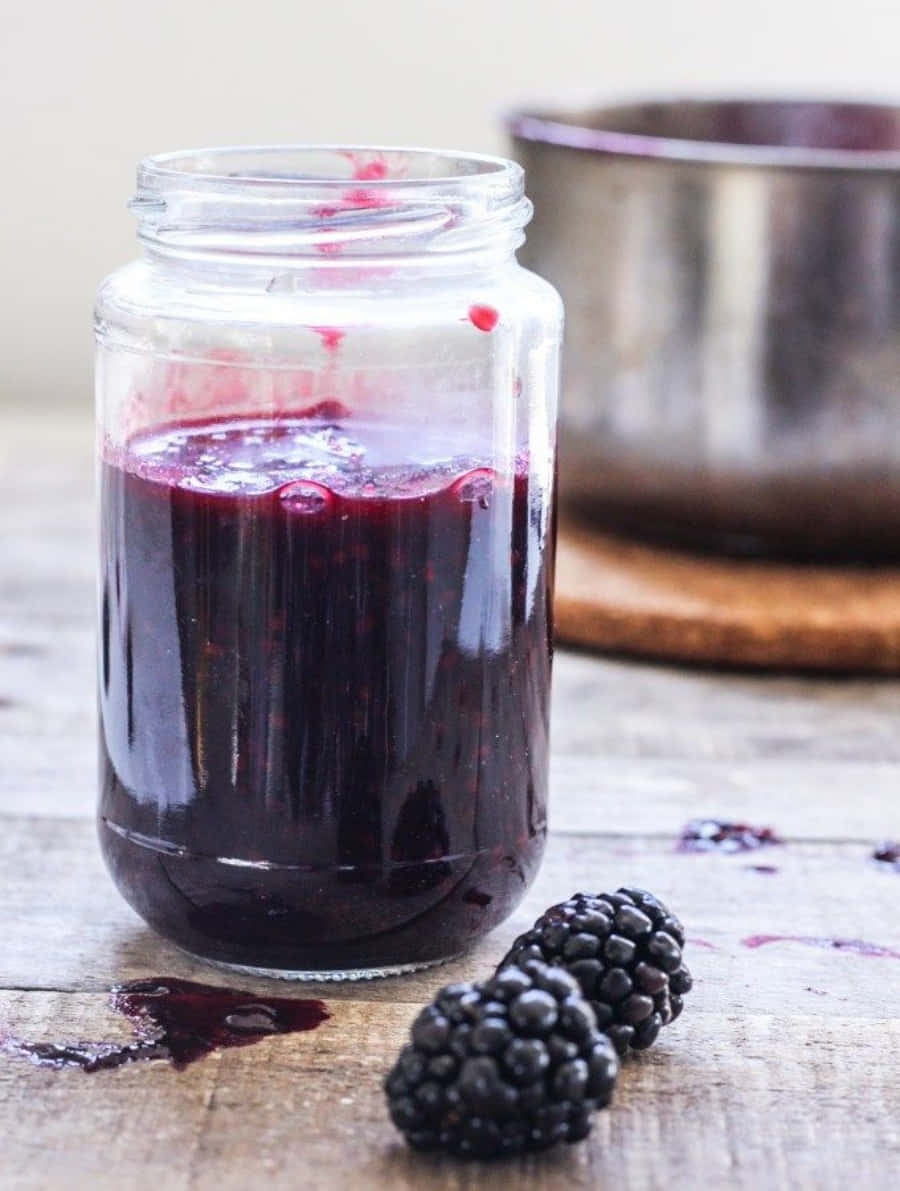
[515, 1063]
[624, 949]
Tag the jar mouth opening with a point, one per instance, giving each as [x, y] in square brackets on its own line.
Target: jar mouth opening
[337, 201]
[293, 167]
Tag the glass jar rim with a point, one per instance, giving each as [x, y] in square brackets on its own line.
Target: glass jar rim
[379, 166]
[332, 200]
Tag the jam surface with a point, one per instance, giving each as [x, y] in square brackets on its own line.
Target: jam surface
[324, 688]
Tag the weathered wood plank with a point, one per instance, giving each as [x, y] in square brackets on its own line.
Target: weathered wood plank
[753, 1102]
[802, 800]
[49, 759]
[603, 710]
[623, 761]
[613, 721]
[64, 926]
[621, 709]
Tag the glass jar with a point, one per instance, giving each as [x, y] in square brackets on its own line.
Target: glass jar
[327, 401]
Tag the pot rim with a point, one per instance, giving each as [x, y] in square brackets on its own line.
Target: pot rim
[581, 128]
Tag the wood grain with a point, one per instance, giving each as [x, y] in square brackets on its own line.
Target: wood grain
[781, 1074]
[769, 743]
[64, 926]
[745, 1101]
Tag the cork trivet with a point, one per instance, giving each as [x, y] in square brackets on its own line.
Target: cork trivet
[622, 596]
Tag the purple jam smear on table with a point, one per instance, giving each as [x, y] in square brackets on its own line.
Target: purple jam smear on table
[767, 870]
[485, 318]
[703, 943]
[888, 854]
[854, 946]
[179, 1021]
[324, 687]
[717, 835]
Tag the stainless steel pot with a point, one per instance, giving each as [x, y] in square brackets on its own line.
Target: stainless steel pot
[731, 273]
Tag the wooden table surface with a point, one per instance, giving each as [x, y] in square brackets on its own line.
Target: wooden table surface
[783, 1071]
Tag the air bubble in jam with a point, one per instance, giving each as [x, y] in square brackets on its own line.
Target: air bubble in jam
[305, 496]
[477, 487]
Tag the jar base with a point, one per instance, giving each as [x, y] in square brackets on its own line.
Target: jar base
[333, 975]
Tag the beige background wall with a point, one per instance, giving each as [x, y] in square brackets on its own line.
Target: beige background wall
[88, 87]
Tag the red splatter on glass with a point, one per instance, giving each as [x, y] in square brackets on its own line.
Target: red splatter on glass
[331, 337]
[485, 318]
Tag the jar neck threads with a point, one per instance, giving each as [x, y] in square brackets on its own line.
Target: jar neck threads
[333, 206]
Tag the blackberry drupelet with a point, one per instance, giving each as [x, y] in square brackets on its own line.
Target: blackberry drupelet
[624, 949]
[515, 1063]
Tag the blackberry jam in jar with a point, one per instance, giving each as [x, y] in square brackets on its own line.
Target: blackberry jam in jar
[326, 403]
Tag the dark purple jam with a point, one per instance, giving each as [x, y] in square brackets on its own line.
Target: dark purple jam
[324, 689]
[180, 1021]
[717, 835]
[888, 855]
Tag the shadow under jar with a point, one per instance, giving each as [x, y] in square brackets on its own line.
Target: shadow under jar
[731, 272]
[326, 403]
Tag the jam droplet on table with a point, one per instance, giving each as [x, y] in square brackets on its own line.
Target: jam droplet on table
[888, 854]
[180, 1021]
[718, 835]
